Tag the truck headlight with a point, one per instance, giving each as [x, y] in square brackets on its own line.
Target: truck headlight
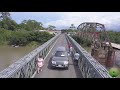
[65, 62]
[53, 62]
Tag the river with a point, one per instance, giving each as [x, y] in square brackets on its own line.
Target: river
[9, 55]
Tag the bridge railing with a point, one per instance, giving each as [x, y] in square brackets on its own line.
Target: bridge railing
[89, 67]
[26, 67]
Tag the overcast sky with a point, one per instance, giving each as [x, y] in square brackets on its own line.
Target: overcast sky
[65, 19]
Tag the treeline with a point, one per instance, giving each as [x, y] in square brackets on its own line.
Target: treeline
[83, 42]
[23, 38]
[7, 23]
[22, 34]
[114, 36]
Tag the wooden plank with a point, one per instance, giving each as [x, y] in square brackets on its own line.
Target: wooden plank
[114, 45]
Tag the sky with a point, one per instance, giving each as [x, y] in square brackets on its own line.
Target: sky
[62, 20]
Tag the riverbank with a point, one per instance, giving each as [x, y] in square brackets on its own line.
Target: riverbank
[31, 44]
[23, 38]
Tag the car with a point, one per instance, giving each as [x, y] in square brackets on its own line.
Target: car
[60, 58]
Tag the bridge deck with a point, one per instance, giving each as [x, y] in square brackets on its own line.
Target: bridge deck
[47, 72]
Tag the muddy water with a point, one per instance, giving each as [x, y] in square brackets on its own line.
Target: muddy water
[9, 55]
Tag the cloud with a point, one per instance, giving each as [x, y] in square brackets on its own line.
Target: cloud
[43, 17]
[110, 19]
[65, 19]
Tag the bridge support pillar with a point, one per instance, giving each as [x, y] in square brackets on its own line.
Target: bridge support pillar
[111, 59]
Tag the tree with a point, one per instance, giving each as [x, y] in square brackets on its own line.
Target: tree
[8, 24]
[31, 25]
[72, 27]
[6, 21]
[4, 15]
[50, 27]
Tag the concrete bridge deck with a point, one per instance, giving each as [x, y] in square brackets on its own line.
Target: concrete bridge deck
[72, 72]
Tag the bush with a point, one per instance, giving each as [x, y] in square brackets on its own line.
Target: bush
[23, 38]
[33, 44]
[82, 41]
[5, 35]
[114, 36]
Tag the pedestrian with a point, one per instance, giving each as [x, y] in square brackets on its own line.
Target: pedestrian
[40, 63]
[69, 46]
[76, 58]
[71, 50]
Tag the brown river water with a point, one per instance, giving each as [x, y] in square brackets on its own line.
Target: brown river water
[9, 55]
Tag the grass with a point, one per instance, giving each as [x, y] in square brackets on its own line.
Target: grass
[33, 44]
[88, 49]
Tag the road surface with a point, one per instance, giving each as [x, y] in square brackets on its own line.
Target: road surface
[72, 72]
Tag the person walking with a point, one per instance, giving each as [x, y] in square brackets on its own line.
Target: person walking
[71, 51]
[76, 58]
[40, 63]
[69, 45]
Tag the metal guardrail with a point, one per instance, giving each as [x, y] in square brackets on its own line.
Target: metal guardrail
[27, 66]
[89, 67]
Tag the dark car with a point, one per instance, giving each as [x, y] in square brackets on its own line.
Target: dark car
[60, 58]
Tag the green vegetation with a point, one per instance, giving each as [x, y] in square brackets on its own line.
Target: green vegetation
[72, 27]
[50, 27]
[114, 72]
[33, 44]
[83, 42]
[23, 38]
[88, 49]
[21, 34]
[114, 36]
